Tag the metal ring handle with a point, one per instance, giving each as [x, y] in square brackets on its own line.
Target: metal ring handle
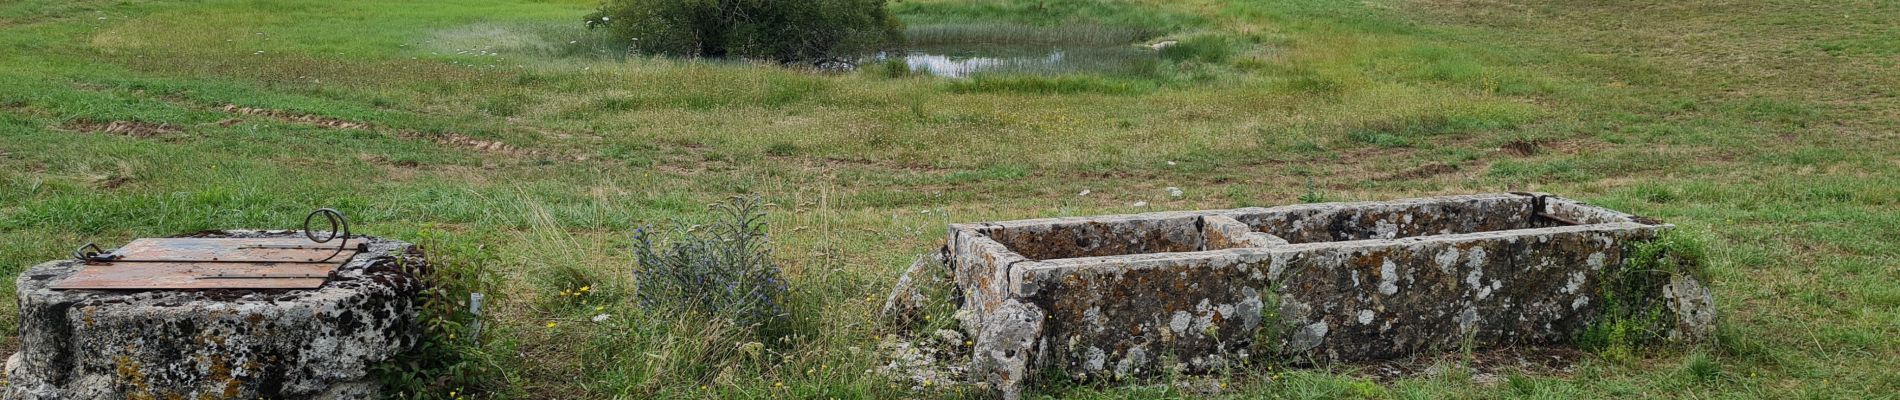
[339, 228]
[89, 256]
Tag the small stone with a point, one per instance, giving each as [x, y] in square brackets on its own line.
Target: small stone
[1004, 346]
[1487, 379]
[949, 337]
[906, 303]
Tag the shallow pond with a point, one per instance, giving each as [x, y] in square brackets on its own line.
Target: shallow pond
[964, 50]
[966, 61]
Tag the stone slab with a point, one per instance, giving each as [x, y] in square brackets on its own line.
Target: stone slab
[217, 344]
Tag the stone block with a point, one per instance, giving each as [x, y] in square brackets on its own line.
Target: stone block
[1131, 295]
[217, 344]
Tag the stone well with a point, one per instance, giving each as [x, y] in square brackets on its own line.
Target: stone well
[220, 343]
[1119, 296]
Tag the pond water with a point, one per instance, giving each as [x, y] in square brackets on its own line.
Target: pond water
[967, 60]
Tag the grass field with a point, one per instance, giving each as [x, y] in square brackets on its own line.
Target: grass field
[523, 151]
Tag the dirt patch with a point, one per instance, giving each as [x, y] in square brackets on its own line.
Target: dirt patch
[450, 139]
[1484, 365]
[110, 181]
[1422, 172]
[124, 128]
[1521, 148]
[281, 115]
[489, 146]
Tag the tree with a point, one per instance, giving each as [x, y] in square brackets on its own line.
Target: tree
[779, 30]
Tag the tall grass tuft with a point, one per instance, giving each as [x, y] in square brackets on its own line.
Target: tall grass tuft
[1210, 49]
[1050, 85]
[723, 270]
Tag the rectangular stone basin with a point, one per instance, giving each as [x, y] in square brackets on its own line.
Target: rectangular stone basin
[1129, 295]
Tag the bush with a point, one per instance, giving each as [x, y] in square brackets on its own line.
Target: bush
[723, 270]
[780, 30]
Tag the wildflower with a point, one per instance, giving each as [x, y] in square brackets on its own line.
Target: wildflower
[600, 318]
[550, 324]
[778, 384]
[599, 309]
[587, 288]
[1174, 191]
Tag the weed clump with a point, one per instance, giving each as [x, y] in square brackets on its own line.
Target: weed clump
[1632, 316]
[723, 270]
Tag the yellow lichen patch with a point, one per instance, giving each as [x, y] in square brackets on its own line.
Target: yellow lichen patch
[131, 373]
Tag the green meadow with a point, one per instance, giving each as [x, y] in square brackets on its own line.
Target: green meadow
[523, 150]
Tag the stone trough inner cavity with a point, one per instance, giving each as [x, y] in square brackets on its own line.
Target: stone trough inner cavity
[218, 343]
[1119, 296]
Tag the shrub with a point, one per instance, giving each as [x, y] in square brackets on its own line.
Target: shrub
[779, 30]
[723, 270]
[451, 356]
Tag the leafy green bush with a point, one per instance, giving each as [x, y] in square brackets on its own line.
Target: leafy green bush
[451, 358]
[723, 270]
[778, 30]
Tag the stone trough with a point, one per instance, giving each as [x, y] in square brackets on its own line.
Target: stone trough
[1122, 296]
[217, 343]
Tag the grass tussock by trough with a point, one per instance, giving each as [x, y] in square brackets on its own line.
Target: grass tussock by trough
[1769, 126]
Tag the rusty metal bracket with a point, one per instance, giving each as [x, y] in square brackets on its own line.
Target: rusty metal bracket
[91, 253]
[1540, 204]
